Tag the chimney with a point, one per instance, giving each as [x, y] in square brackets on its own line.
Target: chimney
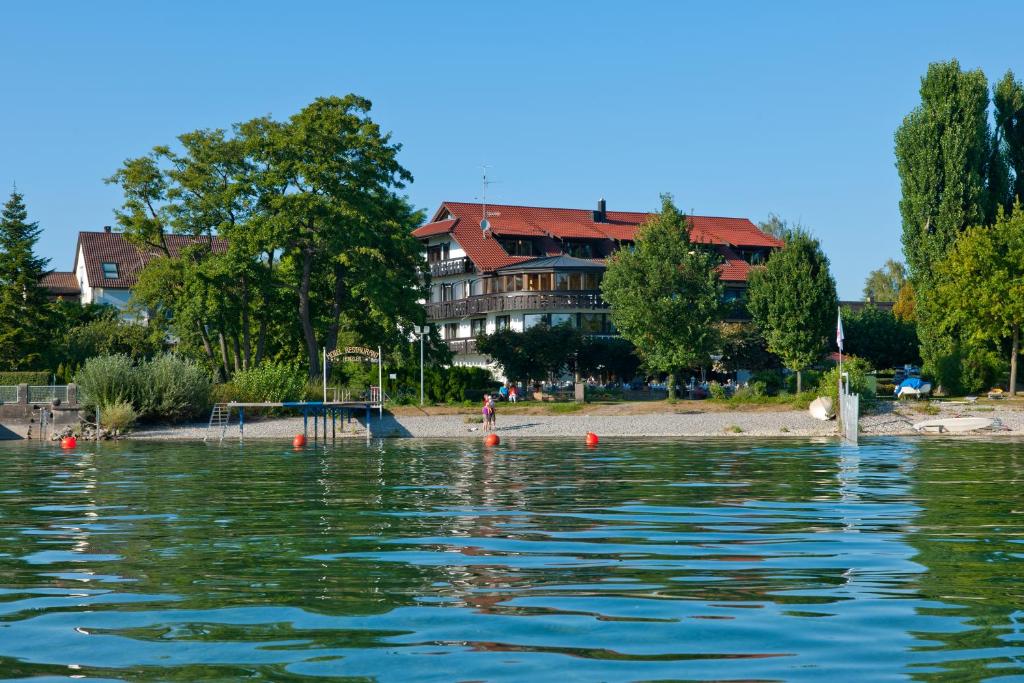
[601, 215]
[106, 228]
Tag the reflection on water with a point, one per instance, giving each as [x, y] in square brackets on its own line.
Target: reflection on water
[536, 561]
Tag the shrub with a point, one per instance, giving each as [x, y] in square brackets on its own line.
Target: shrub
[117, 416]
[107, 380]
[859, 383]
[716, 391]
[174, 389]
[771, 380]
[270, 382]
[41, 378]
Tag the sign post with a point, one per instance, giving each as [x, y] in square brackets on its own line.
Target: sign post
[422, 331]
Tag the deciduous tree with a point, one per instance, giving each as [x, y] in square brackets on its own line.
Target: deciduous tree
[666, 295]
[981, 285]
[793, 300]
[885, 283]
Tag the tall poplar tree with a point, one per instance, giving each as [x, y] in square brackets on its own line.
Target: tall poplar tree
[950, 177]
[24, 310]
[793, 300]
[1008, 97]
[666, 295]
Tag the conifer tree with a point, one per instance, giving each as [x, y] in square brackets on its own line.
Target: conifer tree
[24, 309]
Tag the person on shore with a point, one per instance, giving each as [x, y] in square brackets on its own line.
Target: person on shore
[487, 412]
[513, 393]
[494, 413]
[503, 392]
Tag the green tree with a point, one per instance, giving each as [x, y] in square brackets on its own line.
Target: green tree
[793, 301]
[541, 352]
[313, 221]
[880, 338]
[945, 155]
[885, 283]
[1008, 98]
[981, 285]
[666, 295]
[24, 309]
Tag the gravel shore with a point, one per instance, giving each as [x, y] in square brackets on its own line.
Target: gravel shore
[892, 419]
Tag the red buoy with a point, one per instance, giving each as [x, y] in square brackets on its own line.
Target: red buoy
[68, 442]
[492, 440]
[592, 439]
[299, 441]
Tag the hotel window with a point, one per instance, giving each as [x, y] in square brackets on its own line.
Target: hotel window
[562, 319]
[592, 281]
[534, 319]
[579, 249]
[502, 322]
[477, 326]
[592, 323]
[110, 271]
[517, 247]
[451, 330]
[446, 292]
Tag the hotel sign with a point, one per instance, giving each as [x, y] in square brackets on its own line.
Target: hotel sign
[353, 353]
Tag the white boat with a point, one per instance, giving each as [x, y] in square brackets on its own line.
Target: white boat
[953, 425]
[922, 390]
[821, 408]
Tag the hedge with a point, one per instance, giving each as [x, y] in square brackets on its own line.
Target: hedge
[36, 378]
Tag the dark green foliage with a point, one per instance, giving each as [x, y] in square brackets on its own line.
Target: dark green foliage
[24, 310]
[110, 334]
[770, 381]
[793, 301]
[745, 348]
[880, 338]
[605, 357]
[33, 377]
[540, 353]
[1008, 98]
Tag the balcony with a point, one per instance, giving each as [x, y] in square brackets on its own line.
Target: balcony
[460, 346]
[519, 301]
[451, 266]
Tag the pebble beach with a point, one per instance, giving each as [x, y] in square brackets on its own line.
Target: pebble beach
[891, 419]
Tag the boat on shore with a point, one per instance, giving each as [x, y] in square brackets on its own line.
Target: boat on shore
[953, 425]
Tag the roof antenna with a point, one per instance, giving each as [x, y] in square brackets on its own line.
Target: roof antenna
[485, 224]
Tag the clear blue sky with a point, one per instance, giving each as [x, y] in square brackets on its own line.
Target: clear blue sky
[738, 110]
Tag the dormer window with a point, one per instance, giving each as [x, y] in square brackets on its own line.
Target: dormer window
[110, 271]
[518, 246]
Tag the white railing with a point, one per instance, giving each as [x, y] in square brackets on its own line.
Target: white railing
[8, 394]
[48, 394]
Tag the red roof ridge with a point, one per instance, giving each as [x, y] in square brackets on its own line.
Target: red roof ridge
[608, 211]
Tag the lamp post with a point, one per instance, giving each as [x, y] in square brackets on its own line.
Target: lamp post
[422, 331]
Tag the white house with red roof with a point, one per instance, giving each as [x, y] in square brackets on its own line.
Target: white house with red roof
[532, 265]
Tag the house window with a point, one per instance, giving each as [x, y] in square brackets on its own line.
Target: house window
[438, 252]
[502, 322]
[477, 326]
[518, 247]
[451, 330]
[533, 319]
[446, 293]
[110, 271]
[579, 249]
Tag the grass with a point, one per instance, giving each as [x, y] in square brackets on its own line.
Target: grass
[474, 419]
[734, 429]
[784, 430]
[565, 408]
[794, 401]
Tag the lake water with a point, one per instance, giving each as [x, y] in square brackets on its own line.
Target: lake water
[535, 561]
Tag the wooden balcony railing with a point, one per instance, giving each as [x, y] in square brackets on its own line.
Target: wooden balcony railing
[452, 266]
[518, 301]
[459, 346]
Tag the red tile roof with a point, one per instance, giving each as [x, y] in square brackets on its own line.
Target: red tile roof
[112, 247]
[60, 283]
[462, 221]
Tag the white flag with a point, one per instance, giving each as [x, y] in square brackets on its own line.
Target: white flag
[839, 331]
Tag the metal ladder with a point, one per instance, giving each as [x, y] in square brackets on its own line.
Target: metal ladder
[219, 418]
